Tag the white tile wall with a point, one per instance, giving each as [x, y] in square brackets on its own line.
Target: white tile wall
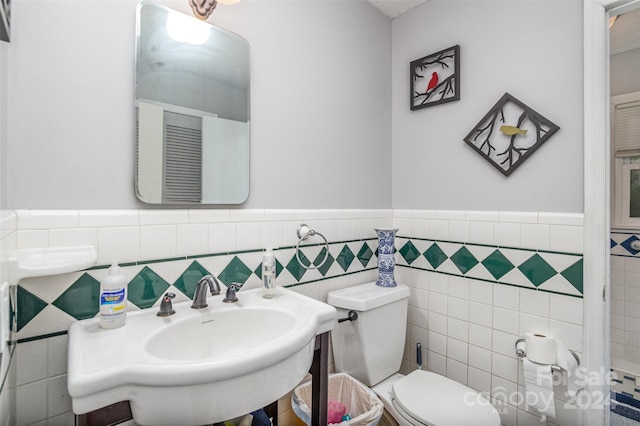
[625, 313]
[127, 236]
[467, 327]
[41, 377]
[472, 326]
[8, 241]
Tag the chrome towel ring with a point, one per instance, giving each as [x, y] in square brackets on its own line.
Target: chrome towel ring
[305, 232]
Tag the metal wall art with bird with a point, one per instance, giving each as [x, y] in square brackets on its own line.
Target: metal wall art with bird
[509, 134]
[435, 78]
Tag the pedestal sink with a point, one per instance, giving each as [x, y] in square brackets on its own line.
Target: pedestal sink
[198, 366]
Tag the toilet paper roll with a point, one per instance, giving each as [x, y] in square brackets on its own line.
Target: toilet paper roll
[566, 361]
[540, 348]
[538, 383]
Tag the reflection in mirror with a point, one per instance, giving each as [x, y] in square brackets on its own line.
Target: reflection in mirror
[192, 106]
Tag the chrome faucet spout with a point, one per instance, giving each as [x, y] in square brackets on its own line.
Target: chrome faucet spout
[200, 295]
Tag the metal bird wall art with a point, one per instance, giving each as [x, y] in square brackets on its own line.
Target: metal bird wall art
[435, 78]
[509, 134]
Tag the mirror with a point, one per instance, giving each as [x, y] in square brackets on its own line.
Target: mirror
[192, 110]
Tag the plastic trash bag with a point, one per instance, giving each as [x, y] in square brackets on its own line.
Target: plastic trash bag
[362, 404]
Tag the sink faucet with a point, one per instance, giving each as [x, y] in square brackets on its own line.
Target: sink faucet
[231, 293]
[200, 295]
[166, 307]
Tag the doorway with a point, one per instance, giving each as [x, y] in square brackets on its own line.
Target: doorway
[624, 89]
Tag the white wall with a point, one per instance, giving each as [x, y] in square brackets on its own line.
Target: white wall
[625, 313]
[531, 49]
[4, 64]
[7, 237]
[624, 68]
[321, 115]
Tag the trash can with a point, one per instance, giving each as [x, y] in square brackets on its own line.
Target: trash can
[361, 403]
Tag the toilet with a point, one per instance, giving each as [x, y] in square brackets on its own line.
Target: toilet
[370, 350]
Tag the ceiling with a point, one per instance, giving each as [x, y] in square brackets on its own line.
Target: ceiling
[395, 8]
[624, 34]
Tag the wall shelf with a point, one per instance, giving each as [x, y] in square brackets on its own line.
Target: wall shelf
[40, 262]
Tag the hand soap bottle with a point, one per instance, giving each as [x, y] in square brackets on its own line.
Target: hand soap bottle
[268, 274]
[113, 299]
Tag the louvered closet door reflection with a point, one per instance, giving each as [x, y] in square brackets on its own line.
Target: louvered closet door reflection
[182, 176]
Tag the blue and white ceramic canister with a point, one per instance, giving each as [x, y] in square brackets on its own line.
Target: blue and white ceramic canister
[386, 259]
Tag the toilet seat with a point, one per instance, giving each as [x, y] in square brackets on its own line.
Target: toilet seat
[434, 400]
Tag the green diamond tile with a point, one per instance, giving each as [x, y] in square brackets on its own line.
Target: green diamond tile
[573, 274]
[188, 281]
[235, 272]
[258, 270]
[146, 288]
[537, 270]
[435, 256]
[409, 252]
[295, 268]
[82, 299]
[365, 254]
[29, 305]
[464, 260]
[497, 264]
[324, 268]
[345, 258]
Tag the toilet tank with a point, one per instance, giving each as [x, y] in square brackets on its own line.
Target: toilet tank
[370, 349]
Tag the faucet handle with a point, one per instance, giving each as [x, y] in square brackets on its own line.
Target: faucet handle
[166, 307]
[231, 293]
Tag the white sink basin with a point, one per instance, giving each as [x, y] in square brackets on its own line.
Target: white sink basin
[198, 366]
[221, 335]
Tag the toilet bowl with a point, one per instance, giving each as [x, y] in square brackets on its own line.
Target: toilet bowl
[370, 349]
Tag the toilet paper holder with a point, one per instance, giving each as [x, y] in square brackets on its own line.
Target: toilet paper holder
[520, 352]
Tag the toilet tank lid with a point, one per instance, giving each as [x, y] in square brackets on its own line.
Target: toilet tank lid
[366, 296]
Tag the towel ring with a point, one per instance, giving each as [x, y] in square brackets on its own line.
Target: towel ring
[305, 232]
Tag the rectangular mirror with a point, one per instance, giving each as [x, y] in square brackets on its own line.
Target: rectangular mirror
[192, 107]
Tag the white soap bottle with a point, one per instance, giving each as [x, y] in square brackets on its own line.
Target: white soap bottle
[268, 274]
[113, 299]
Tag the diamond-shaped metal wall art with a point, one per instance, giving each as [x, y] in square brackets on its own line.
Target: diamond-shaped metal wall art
[435, 78]
[509, 134]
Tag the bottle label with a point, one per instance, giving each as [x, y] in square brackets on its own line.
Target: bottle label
[112, 297]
